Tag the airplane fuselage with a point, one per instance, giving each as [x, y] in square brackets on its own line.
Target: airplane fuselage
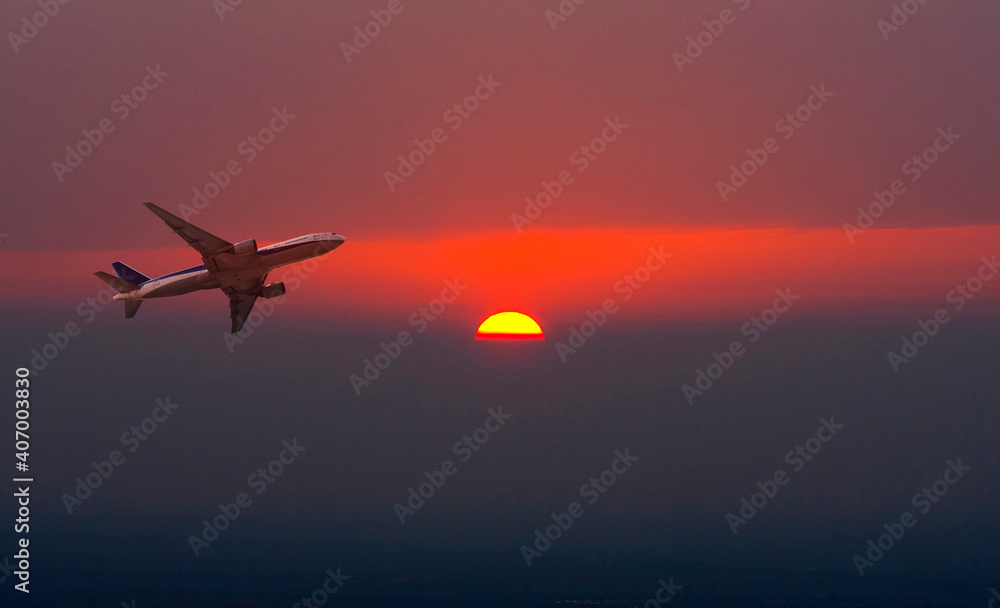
[267, 259]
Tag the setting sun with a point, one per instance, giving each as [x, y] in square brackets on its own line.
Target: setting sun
[510, 326]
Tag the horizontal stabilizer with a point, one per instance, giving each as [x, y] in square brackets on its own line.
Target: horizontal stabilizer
[132, 307]
[119, 284]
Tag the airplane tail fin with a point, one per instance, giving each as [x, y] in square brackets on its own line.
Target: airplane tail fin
[122, 286]
[128, 273]
[119, 284]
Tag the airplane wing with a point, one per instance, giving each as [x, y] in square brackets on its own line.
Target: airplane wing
[217, 254]
[220, 255]
[206, 243]
[240, 305]
[241, 302]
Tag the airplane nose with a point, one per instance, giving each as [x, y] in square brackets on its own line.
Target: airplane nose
[334, 241]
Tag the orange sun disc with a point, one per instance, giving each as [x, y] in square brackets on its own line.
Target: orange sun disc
[509, 326]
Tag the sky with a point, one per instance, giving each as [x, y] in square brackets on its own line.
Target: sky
[812, 182]
[688, 123]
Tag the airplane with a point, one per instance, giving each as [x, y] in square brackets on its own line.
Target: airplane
[238, 269]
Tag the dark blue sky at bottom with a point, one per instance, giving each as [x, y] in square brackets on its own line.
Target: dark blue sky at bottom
[665, 516]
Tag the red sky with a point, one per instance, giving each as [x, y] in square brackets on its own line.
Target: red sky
[558, 275]
[655, 184]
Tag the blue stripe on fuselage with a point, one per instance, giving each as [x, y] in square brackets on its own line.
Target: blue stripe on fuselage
[174, 274]
[202, 266]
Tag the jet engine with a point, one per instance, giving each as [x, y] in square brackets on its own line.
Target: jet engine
[272, 290]
[245, 247]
